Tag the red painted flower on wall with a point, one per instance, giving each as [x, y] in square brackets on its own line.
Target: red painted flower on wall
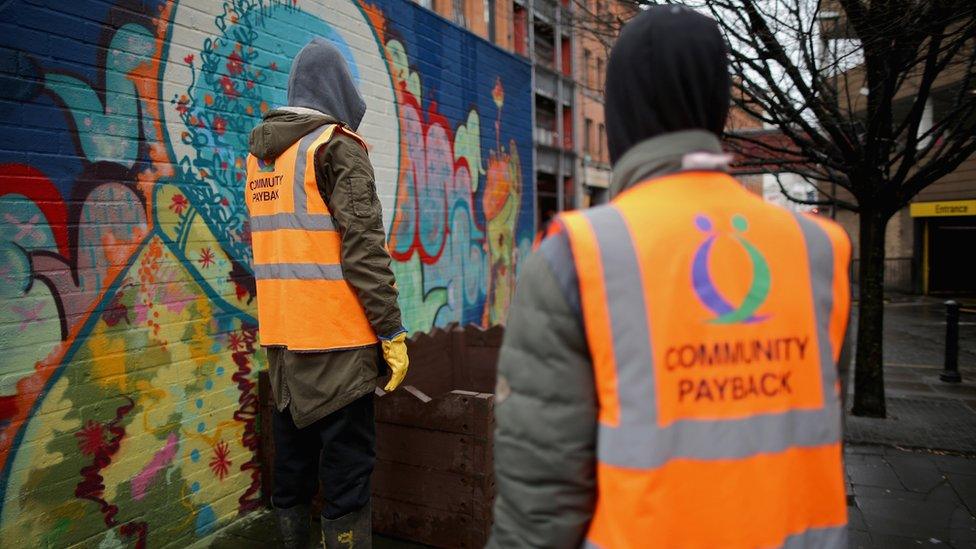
[179, 203]
[227, 85]
[219, 125]
[183, 105]
[235, 65]
[188, 59]
[220, 463]
[207, 257]
[91, 438]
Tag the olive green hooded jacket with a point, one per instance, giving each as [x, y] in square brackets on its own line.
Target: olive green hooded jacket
[313, 385]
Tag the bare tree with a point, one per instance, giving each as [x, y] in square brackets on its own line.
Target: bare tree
[603, 19]
[600, 21]
[874, 101]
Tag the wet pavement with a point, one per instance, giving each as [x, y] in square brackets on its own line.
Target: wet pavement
[914, 334]
[259, 531]
[923, 410]
[912, 476]
[902, 498]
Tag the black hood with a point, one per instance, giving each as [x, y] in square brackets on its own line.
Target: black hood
[667, 72]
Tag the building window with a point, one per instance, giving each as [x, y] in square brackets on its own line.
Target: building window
[520, 34]
[568, 128]
[567, 52]
[490, 19]
[587, 61]
[600, 78]
[458, 9]
[587, 136]
[569, 193]
[545, 45]
[602, 142]
[546, 197]
[545, 122]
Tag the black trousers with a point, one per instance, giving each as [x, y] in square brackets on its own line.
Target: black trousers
[338, 452]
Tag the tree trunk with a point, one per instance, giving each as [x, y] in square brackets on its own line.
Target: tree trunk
[869, 396]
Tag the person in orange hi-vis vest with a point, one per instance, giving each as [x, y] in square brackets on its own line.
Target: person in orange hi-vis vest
[670, 370]
[326, 297]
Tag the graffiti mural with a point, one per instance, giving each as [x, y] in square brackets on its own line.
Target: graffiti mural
[128, 339]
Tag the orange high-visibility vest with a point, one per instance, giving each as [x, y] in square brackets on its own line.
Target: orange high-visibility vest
[714, 322]
[304, 302]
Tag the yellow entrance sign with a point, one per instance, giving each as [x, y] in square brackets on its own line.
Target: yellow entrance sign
[943, 209]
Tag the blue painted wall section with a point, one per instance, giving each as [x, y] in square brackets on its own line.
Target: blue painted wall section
[128, 354]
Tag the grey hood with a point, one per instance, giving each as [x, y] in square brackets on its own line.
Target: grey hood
[320, 80]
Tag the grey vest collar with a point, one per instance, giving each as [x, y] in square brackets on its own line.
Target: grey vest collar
[666, 154]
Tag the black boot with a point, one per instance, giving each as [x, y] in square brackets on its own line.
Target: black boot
[351, 531]
[293, 523]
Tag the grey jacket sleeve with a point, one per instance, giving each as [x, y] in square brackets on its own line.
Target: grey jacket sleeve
[345, 177]
[546, 411]
[844, 363]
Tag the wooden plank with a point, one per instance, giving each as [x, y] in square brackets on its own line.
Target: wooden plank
[428, 526]
[475, 357]
[487, 457]
[436, 450]
[481, 367]
[431, 364]
[419, 486]
[455, 412]
[475, 336]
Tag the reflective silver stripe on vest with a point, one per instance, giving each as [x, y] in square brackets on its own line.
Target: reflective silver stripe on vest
[638, 441]
[820, 256]
[307, 222]
[301, 161]
[298, 271]
[819, 538]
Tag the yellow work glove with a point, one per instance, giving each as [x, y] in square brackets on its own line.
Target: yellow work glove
[395, 355]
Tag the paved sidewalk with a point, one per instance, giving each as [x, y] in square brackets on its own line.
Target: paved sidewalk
[923, 411]
[901, 498]
[912, 476]
[260, 531]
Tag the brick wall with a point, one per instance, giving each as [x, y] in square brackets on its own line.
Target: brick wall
[128, 352]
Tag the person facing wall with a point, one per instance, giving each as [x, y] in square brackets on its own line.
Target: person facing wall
[327, 298]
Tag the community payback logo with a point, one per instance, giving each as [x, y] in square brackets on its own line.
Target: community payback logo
[724, 367]
[724, 311]
[265, 166]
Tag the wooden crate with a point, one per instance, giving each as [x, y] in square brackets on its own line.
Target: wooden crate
[433, 481]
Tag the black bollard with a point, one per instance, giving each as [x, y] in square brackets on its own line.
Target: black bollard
[951, 372]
